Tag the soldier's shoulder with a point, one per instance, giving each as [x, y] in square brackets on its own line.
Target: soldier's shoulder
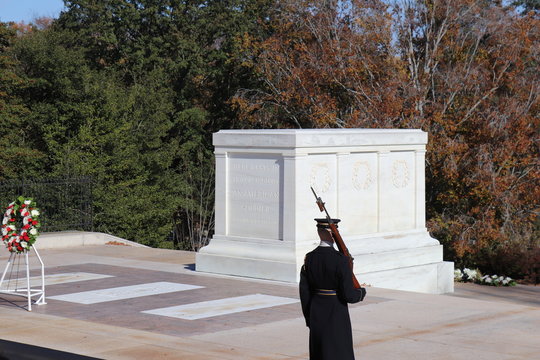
[339, 257]
[308, 255]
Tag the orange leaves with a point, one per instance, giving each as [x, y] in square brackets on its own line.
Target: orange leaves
[324, 66]
[465, 71]
[478, 103]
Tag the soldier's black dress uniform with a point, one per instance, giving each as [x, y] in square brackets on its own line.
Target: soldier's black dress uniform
[325, 289]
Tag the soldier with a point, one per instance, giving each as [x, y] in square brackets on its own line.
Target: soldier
[325, 289]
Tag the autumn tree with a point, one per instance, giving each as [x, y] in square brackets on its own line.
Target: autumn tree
[473, 84]
[327, 64]
[465, 71]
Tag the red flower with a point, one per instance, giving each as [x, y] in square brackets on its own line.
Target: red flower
[34, 222]
[26, 227]
[12, 220]
[23, 205]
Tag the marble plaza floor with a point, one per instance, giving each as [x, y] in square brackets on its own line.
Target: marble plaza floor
[121, 302]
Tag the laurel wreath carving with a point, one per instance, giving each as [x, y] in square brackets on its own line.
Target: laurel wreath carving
[320, 178]
[362, 177]
[400, 174]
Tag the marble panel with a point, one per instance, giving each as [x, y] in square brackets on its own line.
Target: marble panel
[206, 309]
[123, 292]
[358, 189]
[397, 191]
[254, 195]
[52, 279]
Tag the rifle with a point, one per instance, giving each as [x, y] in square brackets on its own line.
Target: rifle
[337, 238]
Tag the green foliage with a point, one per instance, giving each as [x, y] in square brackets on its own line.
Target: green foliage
[129, 93]
[19, 156]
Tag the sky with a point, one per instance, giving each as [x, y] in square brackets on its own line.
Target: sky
[28, 10]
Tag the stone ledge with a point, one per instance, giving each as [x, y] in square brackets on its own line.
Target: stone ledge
[63, 239]
[428, 278]
[247, 267]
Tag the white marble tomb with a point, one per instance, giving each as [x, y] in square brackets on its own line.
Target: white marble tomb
[372, 179]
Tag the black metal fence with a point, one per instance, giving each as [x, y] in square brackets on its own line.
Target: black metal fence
[64, 204]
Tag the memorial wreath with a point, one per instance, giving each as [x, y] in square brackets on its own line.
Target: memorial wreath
[20, 225]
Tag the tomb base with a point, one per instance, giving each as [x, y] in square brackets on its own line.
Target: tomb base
[248, 259]
[435, 278]
[411, 262]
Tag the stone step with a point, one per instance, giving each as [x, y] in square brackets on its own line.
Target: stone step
[435, 278]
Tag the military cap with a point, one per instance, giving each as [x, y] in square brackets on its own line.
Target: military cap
[325, 224]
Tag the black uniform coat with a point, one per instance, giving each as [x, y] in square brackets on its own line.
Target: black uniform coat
[327, 316]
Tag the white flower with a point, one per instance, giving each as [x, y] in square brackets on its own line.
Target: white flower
[5, 220]
[25, 220]
[505, 282]
[35, 213]
[494, 276]
[471, 274]
[24, 244]
[28, 202]
[488, 280]
[33, 231]
[9, 212]
[457, 274]
[4, 232]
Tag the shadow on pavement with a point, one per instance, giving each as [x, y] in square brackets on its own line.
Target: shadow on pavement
[519, 294]
[10, 350]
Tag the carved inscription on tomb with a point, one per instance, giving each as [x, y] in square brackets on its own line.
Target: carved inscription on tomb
[362, 177]
[320, 177]
[400, 174]
[253, 196]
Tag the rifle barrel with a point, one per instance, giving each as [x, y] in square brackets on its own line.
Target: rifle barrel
[337, 238]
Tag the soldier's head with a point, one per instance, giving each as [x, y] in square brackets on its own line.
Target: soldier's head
[323, 229]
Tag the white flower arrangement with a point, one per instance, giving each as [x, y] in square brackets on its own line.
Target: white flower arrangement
[497, 280]
[470, 275]
[467, 275]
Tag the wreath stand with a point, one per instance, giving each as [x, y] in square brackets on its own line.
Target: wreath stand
[27, 291]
